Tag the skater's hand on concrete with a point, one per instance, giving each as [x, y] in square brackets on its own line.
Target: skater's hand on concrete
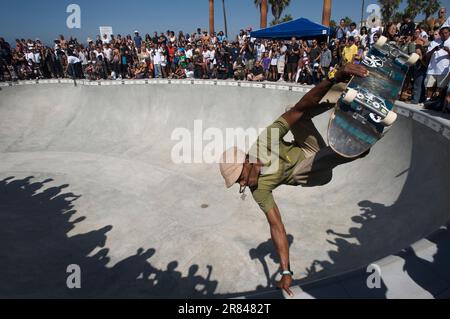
[285, 285]
[350, 70]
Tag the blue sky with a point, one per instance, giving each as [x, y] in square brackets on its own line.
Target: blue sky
[45, 19]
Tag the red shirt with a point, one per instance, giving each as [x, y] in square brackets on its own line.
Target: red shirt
[171, 51]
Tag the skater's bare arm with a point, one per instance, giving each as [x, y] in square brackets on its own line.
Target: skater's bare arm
[280, 239]
[313, 97]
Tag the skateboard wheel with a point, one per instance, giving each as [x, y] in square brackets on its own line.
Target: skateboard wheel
[350, 96]
[390, 119]
[413, 59]
[381, 42]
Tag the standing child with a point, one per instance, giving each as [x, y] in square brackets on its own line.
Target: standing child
[266, 64]
[273, 65]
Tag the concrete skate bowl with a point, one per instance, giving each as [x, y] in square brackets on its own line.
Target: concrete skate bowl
[87, 179]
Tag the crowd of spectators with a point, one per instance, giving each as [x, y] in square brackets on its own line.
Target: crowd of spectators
[201, 55]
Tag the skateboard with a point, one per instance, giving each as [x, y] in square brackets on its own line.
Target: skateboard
[365, 110]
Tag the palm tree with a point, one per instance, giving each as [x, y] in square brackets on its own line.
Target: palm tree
[262, 5]
[388, 9]
[431, 7]
[211, 16]
[225, 18]
[263, 14]
[278, 7]
[414, 8]
[326, 16]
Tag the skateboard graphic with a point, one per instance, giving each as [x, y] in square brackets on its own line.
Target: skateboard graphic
[365, 111]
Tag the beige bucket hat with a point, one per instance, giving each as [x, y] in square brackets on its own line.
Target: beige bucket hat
[231, 165]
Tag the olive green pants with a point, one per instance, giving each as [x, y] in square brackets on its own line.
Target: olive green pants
[317, 168]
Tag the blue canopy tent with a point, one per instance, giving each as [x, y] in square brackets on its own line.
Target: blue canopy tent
[300, 28]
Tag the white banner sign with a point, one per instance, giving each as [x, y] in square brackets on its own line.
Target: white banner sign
[106, 30]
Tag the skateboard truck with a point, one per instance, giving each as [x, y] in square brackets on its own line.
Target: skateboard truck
[386, 117]
[387, 49]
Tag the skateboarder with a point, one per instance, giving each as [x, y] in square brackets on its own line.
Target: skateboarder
[307, 162]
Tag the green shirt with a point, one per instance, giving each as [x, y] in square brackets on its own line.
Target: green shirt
[279, 159]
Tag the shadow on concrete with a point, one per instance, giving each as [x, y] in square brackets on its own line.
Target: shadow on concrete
[432, 276]
[35, 251]
[267, 249]
[432, 273]
[442, 115]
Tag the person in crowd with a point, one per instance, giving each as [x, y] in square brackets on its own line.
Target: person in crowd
[437, 78]
[352, 32]
[274, 55]
[239, 69]
[419, 73]
[257, 73]
[265, 61]
[407, 27]
[248, 53]
[350, 51]
[314, 59]
[292, 59]
[364, 37]
[440, 21]
[341, 31]
[281, 66]
[391, 32]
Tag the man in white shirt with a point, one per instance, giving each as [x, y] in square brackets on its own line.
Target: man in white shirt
[82, 56]
[72, 59]
[105, 39]
[353, 32]
[157, 63]
[260, 50]
[437, 74]
[74, 66]
[99, 51]
[107, 53]
[373, 31]
[29, 56]
[189, 52]
[36, 57]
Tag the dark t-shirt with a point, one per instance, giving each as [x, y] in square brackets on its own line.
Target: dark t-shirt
[234, 53]
[293, 57]
[257, 70]
[314, 54]
[249, 52]
[138, 41]
[223, 66]
[407, 28]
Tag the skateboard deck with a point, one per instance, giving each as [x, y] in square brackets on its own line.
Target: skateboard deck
[365, 111]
